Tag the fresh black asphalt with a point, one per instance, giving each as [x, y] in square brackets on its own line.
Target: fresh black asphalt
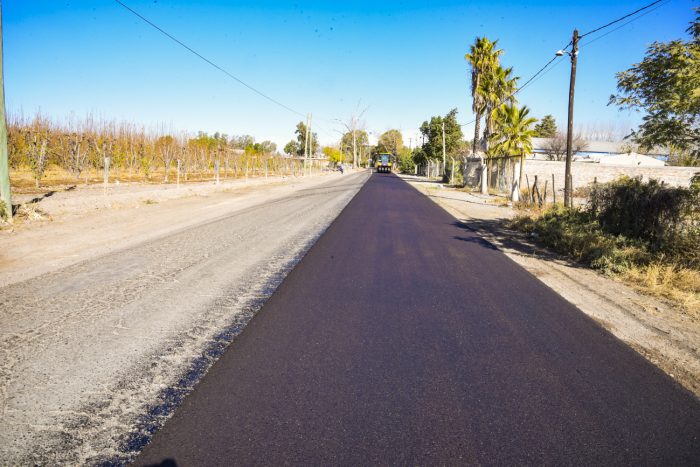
[403, 338]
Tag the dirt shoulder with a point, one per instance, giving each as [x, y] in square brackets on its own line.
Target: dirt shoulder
[653, 327]
[66, 225]
[111, 314]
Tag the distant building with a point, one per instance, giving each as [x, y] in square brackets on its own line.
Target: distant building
[603, 152]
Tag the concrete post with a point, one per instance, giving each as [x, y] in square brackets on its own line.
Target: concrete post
[484, 179]
[515, 193]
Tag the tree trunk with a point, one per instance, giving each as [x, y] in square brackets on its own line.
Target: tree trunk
[477, 130]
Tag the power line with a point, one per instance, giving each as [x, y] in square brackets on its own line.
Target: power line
[529, 81]
[626, 23]
[620, 19]
[190, 49]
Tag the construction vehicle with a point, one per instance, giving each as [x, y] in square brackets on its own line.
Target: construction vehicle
[384, 163]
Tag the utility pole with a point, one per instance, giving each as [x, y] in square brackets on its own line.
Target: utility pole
[5, 190]
[306, 142]
[444, 154]
[568, 199]
[311, 144]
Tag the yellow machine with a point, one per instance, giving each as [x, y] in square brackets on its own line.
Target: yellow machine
[384, 163]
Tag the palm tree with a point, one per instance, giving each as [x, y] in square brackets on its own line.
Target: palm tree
[497, 88]
[513, 132]
[482, 57]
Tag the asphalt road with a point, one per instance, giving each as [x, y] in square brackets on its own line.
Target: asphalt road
[97, 350]
[404, 338]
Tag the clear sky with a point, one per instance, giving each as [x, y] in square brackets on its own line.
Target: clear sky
[402, 60]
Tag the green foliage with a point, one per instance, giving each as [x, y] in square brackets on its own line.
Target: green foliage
[292, 148]
[512, 131]
[301, 140]
[628, 224]
[666, 218]
[546, 128]
[666, 86]
[4, 212]
[361, 141]
[432, 131]
[577, 234]
[391, 141]
[496, 88]
[405, 161]
[483, 58]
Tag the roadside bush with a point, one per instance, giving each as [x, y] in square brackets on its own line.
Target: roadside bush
[577, 234]
[647, 234]
[666, 218]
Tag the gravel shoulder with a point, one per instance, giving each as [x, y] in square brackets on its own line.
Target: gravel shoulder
[111, 311]
[653, 327]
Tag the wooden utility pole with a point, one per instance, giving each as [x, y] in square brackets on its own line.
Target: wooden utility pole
[311, 144]
[306, 142]
[568, 200]
[5, 190]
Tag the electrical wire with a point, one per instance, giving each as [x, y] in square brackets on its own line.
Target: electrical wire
[529, 81]
[221, 69]
[626, 23]
[621, 18]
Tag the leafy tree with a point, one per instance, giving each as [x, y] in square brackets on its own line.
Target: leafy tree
[241, 142]
[333, 154]
[483, 57]
[266, 147]
[432, 131]
[666, 86]
[292, 148]
[390, 141]
[361, 141]
[546, 128]
[301, 140]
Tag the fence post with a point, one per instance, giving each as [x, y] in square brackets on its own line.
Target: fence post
[515, 192]
[484, 178]
[554, 191]
[106, 174]
[216, 169]
[178, 174]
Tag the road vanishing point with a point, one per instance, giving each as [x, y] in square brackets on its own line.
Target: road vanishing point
[403, 338]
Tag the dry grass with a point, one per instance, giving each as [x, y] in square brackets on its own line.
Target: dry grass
[22, 181]
[677, 284]
[578, 235]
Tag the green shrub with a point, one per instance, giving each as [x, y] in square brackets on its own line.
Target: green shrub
[650, 211]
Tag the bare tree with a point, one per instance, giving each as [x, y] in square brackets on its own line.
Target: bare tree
[555, 148]
[354, 125]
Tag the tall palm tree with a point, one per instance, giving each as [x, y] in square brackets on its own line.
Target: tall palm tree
[497, 88]
[483, 57]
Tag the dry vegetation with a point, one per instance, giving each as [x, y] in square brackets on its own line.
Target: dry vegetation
[46, 153]
[646, 234]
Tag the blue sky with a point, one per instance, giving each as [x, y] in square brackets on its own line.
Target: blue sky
[402, 60]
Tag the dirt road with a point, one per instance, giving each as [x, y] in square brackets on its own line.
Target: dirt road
[435, 349]
[94, 354]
